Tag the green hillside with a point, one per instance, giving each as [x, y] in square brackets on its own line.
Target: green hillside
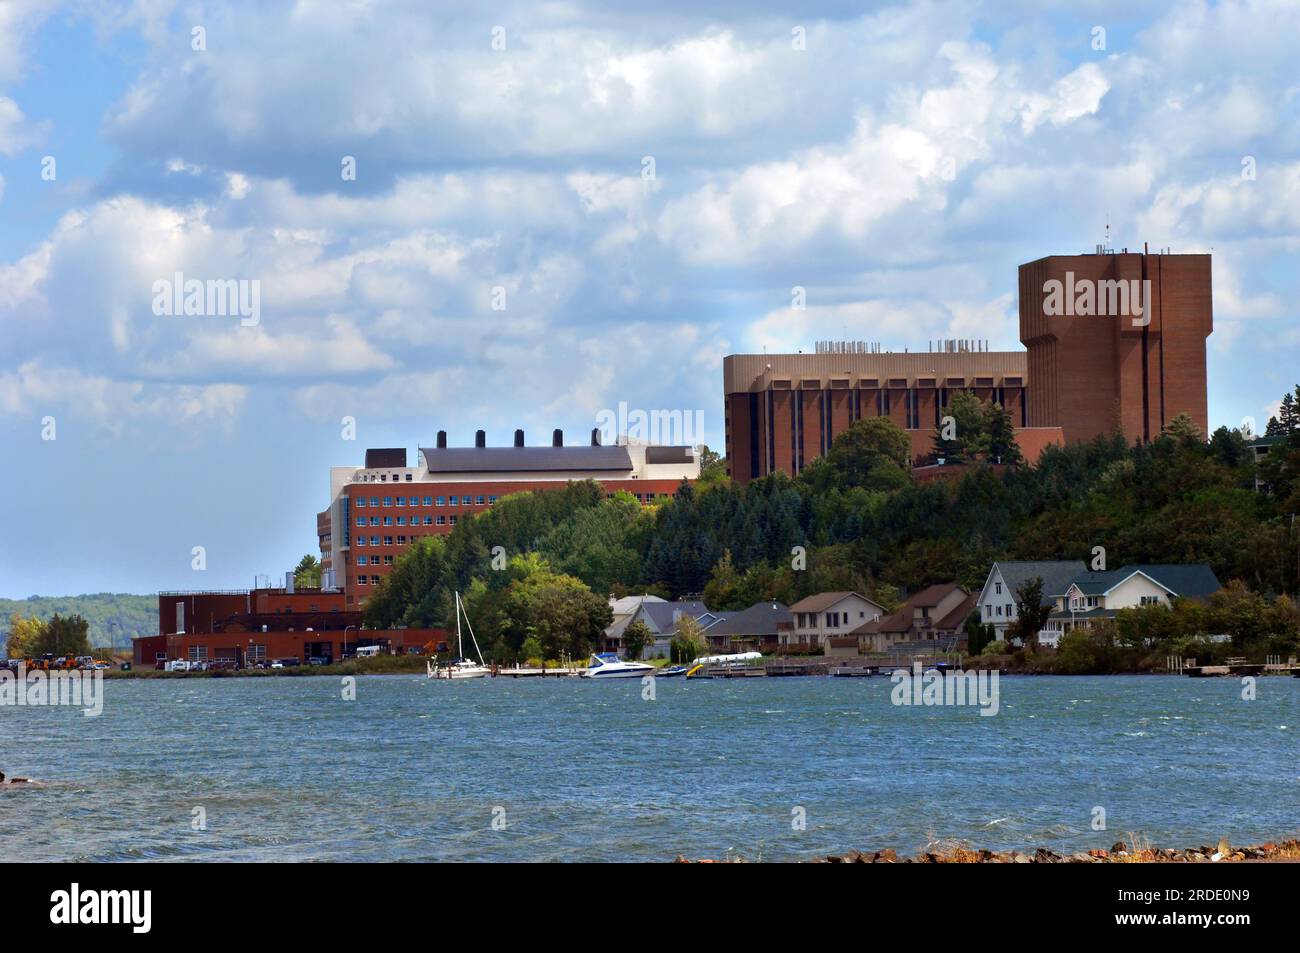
[133, 615]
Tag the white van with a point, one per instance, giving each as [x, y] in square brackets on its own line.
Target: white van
[368, 651]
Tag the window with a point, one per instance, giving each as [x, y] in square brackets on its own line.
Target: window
[442, 520]
[479, 500]
[374, 501]
[388, 560]
[388, 501]
[453, 520]
[408, 476]
[428, 521]
[428, 501]
[361, 580]
[491, 500]
[361, 521]
[454, 501]
[401, 540]
[374, 540]
[361, 541]
[198, 653]
[415, 501]
[374, 521]
[442, 501]
[374, 580]
[361, 501]
[401, 521]
[401, 501]
[388, 521]
[363, 561]
[388, 540]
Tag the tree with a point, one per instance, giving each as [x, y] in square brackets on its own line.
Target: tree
[1031, 613]
[873, 452]
[978, 634]
[1001, 436]
[307, 573]
[635, 638]
[1183, 429]
[688, 642]
[25, 635]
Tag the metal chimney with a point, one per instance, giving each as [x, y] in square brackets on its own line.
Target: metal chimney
[595, 436]
[442, 440]
[519, 438]
[557, 437]
[480, 439]
[288, 582]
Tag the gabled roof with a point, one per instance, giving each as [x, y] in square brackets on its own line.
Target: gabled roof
[821, 601]
[1056, 575]
[759, 619]
[1196, 581]
[659, 615]
[903, 620]
[629, 604]
[533, 459]
[1188, 581]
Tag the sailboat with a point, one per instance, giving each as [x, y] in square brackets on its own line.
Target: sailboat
[462, 667]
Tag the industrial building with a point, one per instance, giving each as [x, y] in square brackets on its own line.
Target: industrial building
[246, 627]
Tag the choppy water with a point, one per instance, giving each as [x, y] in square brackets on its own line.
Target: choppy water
[414, 770]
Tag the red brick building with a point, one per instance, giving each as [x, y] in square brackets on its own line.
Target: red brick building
[378, 510]
[1083, 373]
[239, 628]
[1104, 365]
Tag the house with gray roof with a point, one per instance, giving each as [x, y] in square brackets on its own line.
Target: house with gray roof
[749, 630]
[1101, 595]
[997, 600]
[662, 619]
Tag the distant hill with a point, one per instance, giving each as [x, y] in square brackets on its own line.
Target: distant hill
[134, 615]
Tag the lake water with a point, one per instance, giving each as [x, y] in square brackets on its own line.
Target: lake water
[284, 769]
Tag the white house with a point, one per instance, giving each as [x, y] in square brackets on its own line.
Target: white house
[1100, 595]
[817, 618]
[997, 600]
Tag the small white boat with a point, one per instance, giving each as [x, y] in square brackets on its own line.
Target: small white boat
[461, 667]
[609, 665]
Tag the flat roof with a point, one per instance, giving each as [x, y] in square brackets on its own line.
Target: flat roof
[521, 459]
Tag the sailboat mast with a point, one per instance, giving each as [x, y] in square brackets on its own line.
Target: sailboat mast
[460, 639]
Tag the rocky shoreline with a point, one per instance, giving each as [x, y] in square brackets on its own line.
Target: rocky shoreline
[1119, 853]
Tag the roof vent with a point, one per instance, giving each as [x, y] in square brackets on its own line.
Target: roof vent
[519, 438]
[480, 439]
[442, 440]
[595, 436]
[557, 437]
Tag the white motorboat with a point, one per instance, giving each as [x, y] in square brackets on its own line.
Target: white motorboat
[461, 667]
[609, 665]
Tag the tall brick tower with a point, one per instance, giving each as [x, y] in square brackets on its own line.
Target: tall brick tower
[1116, 339]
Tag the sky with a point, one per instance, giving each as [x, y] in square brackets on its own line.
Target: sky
[461, 216]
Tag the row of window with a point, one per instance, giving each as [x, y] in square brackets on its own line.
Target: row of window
[401, 521]
[373, 561]
[361, 580]
[375, 502]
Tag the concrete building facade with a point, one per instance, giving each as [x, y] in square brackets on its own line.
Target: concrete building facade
[1112, 341]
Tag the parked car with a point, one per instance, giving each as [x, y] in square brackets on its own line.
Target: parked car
[317, 660]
